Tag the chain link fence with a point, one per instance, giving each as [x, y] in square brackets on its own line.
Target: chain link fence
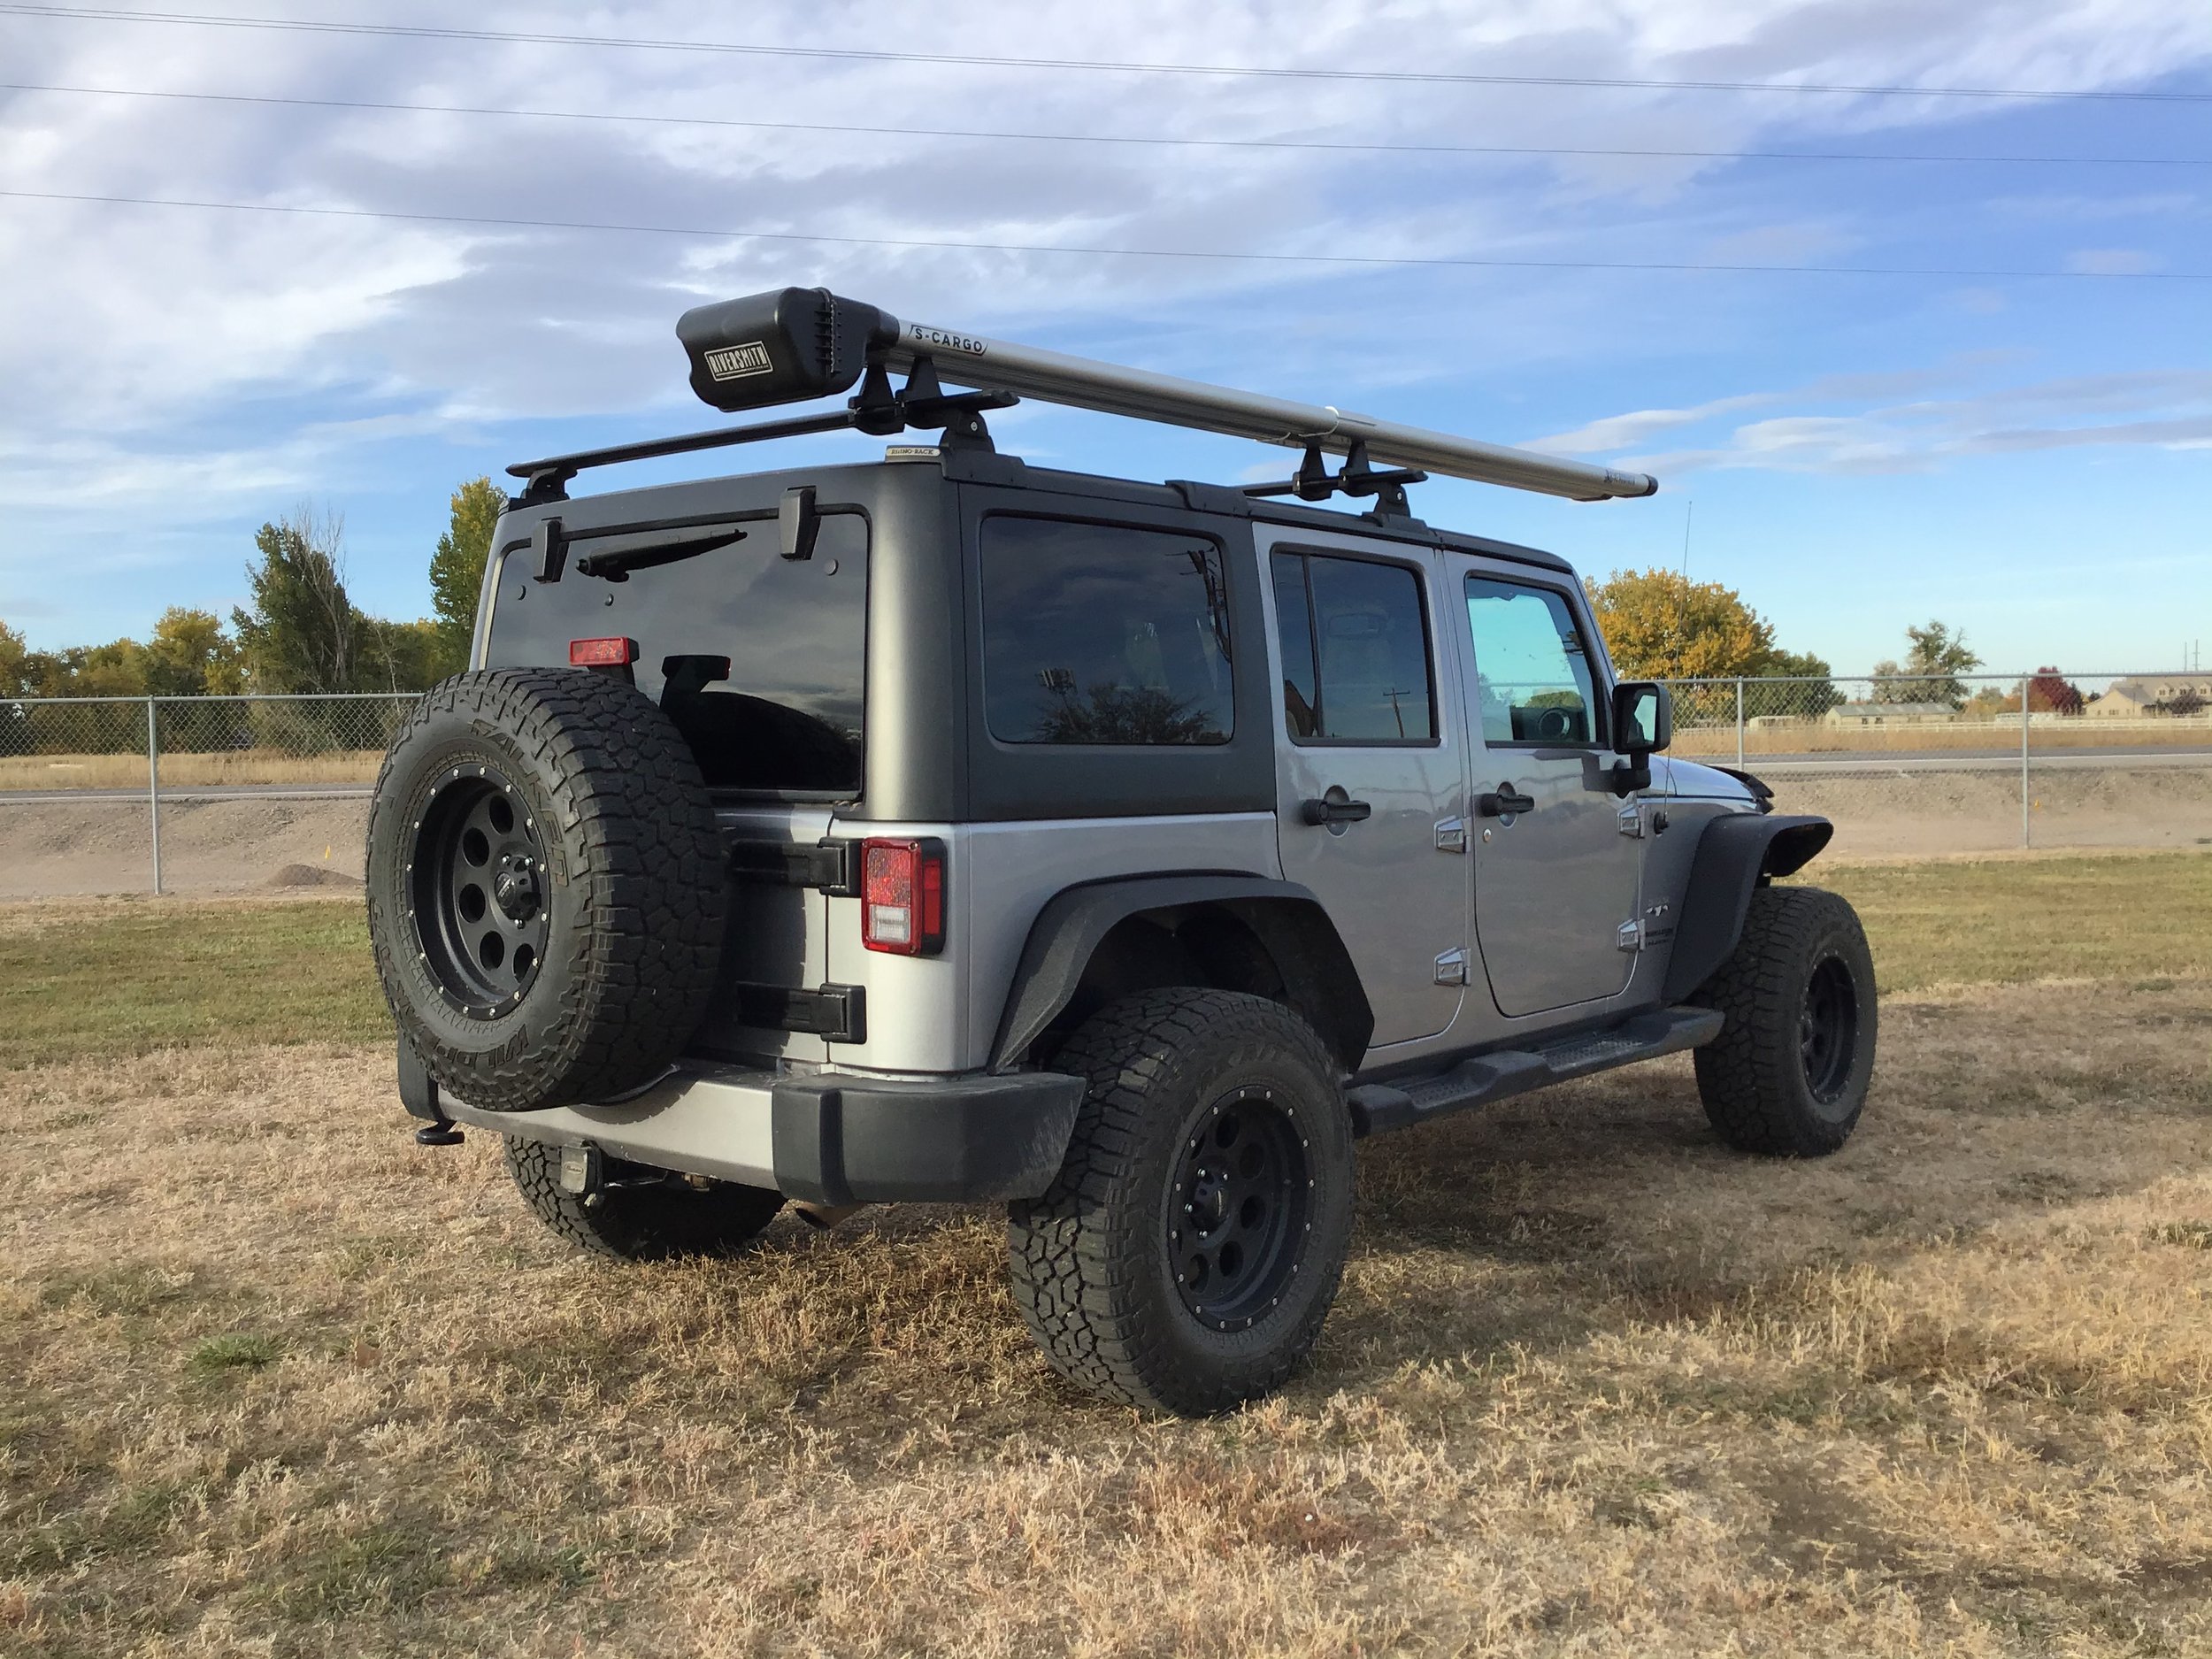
[118, 795]
[108, 794]
[1913, 765]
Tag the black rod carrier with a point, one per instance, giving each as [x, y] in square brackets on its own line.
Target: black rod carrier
[796, 343]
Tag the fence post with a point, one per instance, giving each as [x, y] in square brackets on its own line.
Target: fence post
[153, 789]
[1739, 722]
[2027, 688]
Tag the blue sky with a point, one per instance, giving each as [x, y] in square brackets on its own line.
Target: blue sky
[2026, 456]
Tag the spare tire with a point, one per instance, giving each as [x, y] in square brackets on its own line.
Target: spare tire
[546, 885]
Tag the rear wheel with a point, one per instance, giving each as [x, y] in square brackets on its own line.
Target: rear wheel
[1186, 1255]
[1789, 1071]
[640, 1214]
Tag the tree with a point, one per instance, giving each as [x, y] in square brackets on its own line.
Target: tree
[1659, 625]
[1792, 683]
[399, 656]
[117, 668]
[14, 663]
[456, 570]
[1934, 658]
[299, 636]
[190, 656]
[2051, 693]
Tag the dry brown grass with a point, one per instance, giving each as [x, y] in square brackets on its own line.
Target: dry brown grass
[232, 766]
[278, 1382]
[1803, 737]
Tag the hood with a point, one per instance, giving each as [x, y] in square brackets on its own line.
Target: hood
[1691, 778]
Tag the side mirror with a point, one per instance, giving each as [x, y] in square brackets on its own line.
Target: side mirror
[1643, 716]
[1643, 721]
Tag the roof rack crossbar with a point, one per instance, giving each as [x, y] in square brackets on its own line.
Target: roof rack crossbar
[548, 480]
[921, 402]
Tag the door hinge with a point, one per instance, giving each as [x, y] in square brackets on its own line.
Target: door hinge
[830, 866]
[1632, 821]
[1632, 934]
[1451, 835]
[1451, 967]
[836, 1013]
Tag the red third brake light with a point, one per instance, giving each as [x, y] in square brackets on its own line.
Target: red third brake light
[602, 653]
[903, 896]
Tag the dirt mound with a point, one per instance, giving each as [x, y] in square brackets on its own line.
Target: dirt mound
[312, 876]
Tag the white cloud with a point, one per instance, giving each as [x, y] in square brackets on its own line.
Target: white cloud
[1619, 432]
[2112, 262]
[2162, 408]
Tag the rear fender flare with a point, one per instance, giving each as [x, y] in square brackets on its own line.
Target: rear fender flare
[1287, 919]
[1736, 852]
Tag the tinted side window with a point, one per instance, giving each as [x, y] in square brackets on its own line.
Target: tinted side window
[1099, 634]
[1365, 659]
[1293, 625]
[1531, 674]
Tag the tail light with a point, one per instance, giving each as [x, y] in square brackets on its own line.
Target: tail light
[903, 896]
[602, 653]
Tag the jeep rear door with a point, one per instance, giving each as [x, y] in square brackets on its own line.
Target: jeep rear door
[759, 660]
[1370, 766]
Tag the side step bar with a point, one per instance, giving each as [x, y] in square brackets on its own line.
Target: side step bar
[1504, 1072]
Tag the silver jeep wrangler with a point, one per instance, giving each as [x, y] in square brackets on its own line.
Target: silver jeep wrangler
[944, 828]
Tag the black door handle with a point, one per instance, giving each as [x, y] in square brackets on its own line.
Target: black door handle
[1504, 802]
[1336, 811]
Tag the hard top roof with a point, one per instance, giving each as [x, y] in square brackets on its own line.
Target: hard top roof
[1008, 472]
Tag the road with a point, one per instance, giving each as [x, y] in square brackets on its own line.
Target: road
[204, 792]
[1969, 760]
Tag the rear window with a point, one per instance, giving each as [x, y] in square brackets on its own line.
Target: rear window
[759, 660]
[1104, 634]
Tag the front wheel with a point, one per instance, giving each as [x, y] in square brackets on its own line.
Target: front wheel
[1187, 1253]
[1788, 1073]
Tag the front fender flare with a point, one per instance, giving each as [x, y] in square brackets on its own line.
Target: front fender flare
[1287, 919]
[1736, 851]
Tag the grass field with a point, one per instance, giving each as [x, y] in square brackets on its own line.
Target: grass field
[274, 1381]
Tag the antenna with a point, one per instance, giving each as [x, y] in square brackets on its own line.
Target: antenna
[793, 343]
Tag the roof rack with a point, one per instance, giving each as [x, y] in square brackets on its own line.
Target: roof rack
[795, 344]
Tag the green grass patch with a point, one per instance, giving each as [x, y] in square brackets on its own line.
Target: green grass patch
[385, 1567]
[2005, 921]
[135, 976]
[237, 1350]
[130, 978]
[127, 1290]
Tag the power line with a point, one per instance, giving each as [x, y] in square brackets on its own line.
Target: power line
[1106, 138]
[505, 222]
[865, 55]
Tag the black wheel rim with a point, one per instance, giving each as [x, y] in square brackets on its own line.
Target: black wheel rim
[1237, 1211]
[1828, 1030]
[481, 902]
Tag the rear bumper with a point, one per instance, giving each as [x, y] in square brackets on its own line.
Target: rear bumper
[828, 1138]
